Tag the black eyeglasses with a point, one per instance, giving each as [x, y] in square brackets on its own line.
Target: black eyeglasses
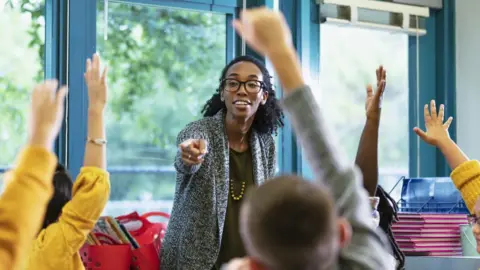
[251, 86]
[473, 219]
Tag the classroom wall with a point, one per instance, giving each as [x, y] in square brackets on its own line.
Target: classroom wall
[468, 75]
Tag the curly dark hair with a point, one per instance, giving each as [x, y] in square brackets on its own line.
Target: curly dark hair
[388, 210]
[269, 117]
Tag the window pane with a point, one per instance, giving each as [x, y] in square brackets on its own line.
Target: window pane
[349, 57]
[163, 65]
[21, 65]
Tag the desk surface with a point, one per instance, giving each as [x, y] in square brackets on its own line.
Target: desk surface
[442, 263]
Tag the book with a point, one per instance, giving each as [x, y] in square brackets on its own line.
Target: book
[116, 230]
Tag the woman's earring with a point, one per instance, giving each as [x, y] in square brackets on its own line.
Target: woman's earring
[221, 98]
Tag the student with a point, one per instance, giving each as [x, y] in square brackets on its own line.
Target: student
[69, 219]
[29, 187]
[367, 153]
[466, 172]
[384, 208]
[289, 223]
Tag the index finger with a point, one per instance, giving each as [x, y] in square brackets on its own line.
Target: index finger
[185, 144]
[203, 145]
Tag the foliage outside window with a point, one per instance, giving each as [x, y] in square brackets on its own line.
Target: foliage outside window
[163, 65]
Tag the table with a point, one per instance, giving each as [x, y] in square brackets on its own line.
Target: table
[442, 263]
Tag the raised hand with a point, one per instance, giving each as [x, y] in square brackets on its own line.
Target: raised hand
[193, 151]
[436, 130]
[373, 102]
[264, 30]
[47, 107]
[96, 81]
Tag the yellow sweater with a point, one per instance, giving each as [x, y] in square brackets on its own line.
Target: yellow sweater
[57, 246]
[23, 204]
[467, 179]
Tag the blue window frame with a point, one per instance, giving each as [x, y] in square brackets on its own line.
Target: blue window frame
[82, 40]
[437, 81]
[56, 58]
[436, 49]
[302, 17]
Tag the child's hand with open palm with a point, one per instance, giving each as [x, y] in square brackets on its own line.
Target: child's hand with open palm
[373, 103]
[96, 80]
[436, 130]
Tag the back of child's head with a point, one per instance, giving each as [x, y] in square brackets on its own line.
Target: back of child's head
[289, 223]
[62, 184]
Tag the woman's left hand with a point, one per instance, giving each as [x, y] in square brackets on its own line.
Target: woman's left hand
[96, 81]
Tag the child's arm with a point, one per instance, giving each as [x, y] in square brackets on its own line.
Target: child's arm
[29, 187]
[23, 203]
[268, 33]
[367, 249]
[95, 148]
[367, 153]
[466, 172]
[79, 216]
[92, 187]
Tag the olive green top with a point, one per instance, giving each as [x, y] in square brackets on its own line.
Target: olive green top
[241, 173]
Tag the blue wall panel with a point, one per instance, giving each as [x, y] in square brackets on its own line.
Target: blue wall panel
[436, 61]
[82, 39]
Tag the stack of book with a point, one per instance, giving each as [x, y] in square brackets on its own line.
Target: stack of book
[429, 234]
[108, 231]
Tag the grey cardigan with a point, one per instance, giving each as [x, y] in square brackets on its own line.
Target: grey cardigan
[195, 229]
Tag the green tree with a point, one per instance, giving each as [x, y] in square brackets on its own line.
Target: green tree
[21, 52]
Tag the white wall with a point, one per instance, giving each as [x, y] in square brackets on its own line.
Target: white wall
[468, 76]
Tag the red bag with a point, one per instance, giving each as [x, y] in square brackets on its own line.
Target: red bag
[149, 236]
[106, 257]
[147, 232]
[147, 257]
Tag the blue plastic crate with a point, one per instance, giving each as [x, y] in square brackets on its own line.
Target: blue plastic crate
[430, 195]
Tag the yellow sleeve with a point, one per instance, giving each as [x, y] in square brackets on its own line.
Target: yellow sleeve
[23, 204]
[89, 197]
[466, 178]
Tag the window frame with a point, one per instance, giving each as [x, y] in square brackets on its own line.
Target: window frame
[55, 60]
[82, 44]
[437, 50]
[303, 19]
[56, 29]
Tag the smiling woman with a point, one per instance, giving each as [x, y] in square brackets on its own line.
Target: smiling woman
[221, 156]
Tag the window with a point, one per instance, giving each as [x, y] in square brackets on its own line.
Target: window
[21, 65]
[349, 57]
[163, 65]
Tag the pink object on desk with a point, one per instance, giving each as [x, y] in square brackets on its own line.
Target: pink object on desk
[429, 234]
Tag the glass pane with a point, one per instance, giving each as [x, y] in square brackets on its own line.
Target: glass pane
[163, 65]
[349, 57]
[21, 65]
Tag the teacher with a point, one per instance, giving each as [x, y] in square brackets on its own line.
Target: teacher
[220, 157]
